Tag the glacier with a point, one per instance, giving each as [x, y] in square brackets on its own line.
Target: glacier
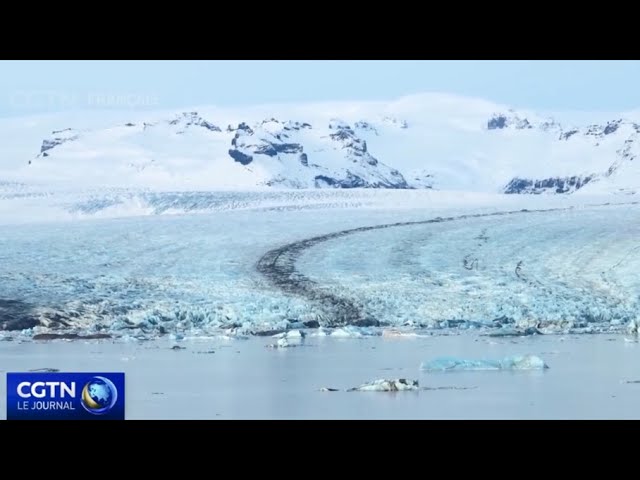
[187, 264]
[556, 270]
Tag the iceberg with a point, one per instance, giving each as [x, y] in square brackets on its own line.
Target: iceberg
[395, 333]
[282, 343]
[291, 335]
[517, 362]
[351, 331]
[384, 385]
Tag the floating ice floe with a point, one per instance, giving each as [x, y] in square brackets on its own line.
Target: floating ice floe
[283, 343]
[384, 385]
[515, 332]
[517, 362]
[126, 338]
[225, 337]
[354, 332]
[291, 338]
[233, 334]
[291, 335]
[320, 332]
[200, 338]
[395, 333]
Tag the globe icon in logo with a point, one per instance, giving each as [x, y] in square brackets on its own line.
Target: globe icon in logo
[99, 395]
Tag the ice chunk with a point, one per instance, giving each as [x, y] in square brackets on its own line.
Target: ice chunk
[236, 333]
[523, 362]
[395, 333]
[320, 332]
[291, 335]
[354, 332]
[296, 325]
[516, 362]
[450, 363]
[288, 339]
[515, 332]
[281, 343]
[295, 334]
[384, 385]
[230, 337]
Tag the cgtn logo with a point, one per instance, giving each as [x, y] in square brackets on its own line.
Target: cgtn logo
[65, 396]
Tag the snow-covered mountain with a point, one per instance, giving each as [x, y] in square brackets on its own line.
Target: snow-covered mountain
[426, 141]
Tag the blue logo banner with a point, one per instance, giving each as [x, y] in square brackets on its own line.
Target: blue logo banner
[65, 396]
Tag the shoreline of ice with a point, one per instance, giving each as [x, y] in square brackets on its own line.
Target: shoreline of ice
[297, 336]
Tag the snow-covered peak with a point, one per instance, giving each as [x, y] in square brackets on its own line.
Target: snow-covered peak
[192, 119]
[339, 158]
[395, 122]
[421, 141]
[338, 124]
[518, 121]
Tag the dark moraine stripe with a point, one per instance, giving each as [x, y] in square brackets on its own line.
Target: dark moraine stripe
[278, 266]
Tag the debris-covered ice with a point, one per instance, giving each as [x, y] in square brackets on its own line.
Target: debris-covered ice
[517, 362]
[515, 332]
[384, 385]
